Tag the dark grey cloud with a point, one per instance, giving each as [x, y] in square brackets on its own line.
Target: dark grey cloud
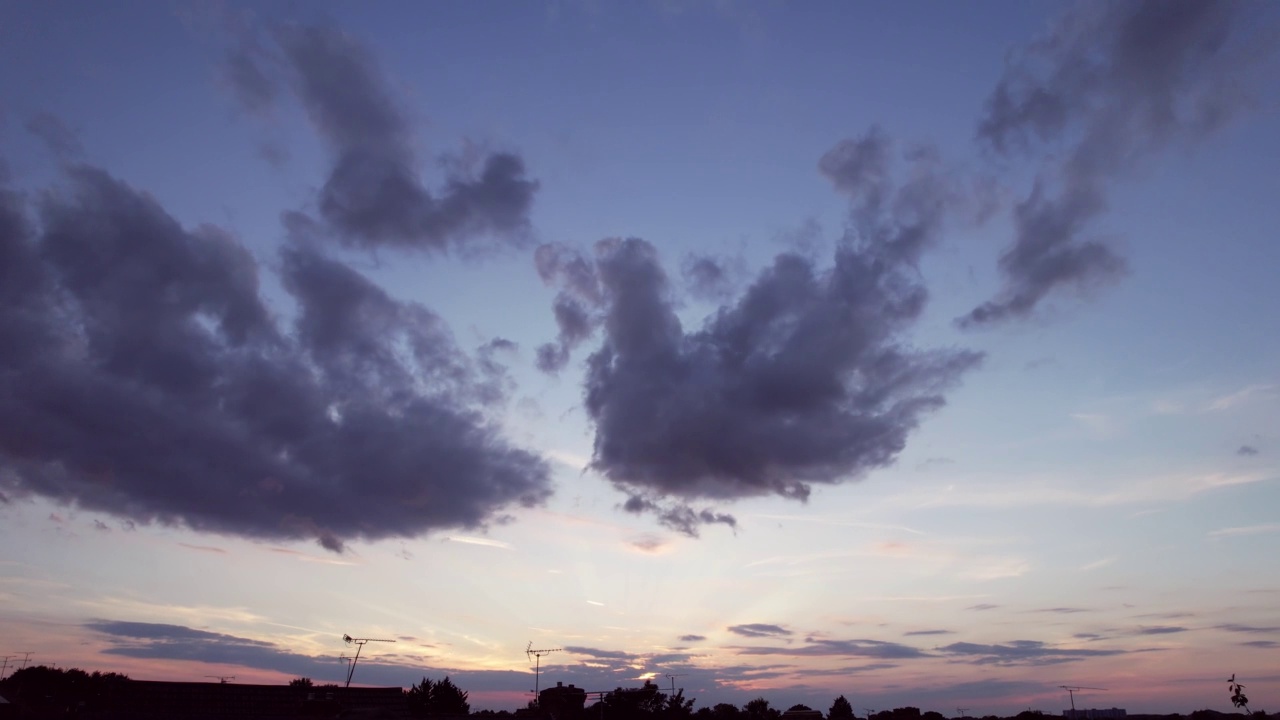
[1263, 644]
[1161, 630]
[1109, 86]
[1256, 629]
[375, 195]
[1021, 652]
[806, 378]
[1062, 610]
[982, 606]
[601, 654]
[692, 638]
[380, 667]
[1247, 450]
[247, 71]
[759, 630]
[571, 271]
[711, 278]
[929, 632]
[141, 375]
[679, 516]
[61, 140]
[846, 648]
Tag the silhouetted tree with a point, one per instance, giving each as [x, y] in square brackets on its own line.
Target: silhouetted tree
[69, 688]
[429, 699]
[677, 706]
[799, 706]
[1237, 694]
[759, 709]
[719, 711]
[933, 715]
[841, 709]
[303, 683]
[633, 703]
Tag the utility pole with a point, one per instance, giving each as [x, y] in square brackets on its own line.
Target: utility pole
[359, 643]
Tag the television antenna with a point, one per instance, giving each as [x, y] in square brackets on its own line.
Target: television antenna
[869, 712]
[1071, 691]
[537, 671]
[26, 655]
[223, 679]
[359, 643]
[962, 712]
[672, 678]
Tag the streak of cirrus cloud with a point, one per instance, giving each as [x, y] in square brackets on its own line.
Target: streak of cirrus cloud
[1105, 90]
[807, 377]
[143, 375]
[374, 195]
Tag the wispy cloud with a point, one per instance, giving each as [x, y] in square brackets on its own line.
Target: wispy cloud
[1243, 396]
[1022, 652]
[850, 648]
[1246, 530]
[204, 548]
[1161, 630]
[486, 542]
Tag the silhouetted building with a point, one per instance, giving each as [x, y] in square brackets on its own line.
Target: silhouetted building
[563, 702]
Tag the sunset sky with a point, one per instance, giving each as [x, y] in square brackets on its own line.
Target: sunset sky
[925, 353]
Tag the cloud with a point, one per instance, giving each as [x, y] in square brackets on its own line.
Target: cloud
[982, 606]
[1263, 644]
[1062, 610]
[177, 642]
[759, 630]
[1247, 450]
[374, 195]
[1021, 652]
[1161, 630]
[1115, 84]
[142, 375]
[61, 140]
[1255, 629]
[806, 378]
[601, 654]
[1246, 530]
[692, 638]
[929, 632]
[849, 648]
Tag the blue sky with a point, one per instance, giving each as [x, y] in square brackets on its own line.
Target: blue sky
[254, 404]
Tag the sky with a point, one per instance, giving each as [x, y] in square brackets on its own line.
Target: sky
[920, 353]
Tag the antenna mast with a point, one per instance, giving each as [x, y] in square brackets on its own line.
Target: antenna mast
[537, 671]
[1071, 691]
[359, 643]
[223, 679]
[962, 712]
[672, 678]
